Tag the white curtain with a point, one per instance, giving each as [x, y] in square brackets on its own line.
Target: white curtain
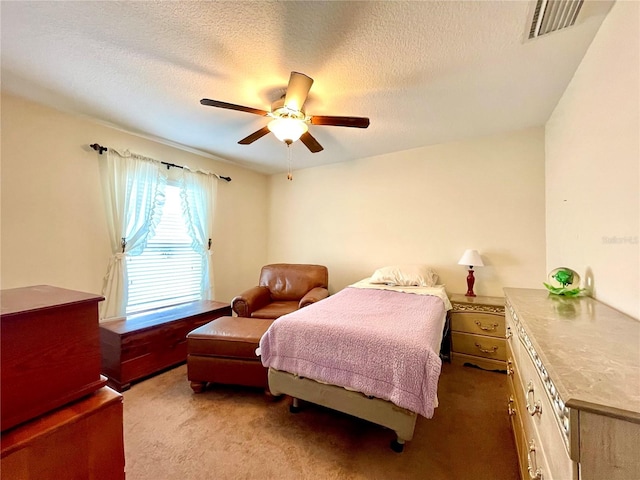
[198, 192]
[134, 196]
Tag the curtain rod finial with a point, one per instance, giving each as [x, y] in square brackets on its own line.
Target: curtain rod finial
[98, 148]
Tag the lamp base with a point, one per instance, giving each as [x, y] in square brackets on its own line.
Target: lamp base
[470, 281]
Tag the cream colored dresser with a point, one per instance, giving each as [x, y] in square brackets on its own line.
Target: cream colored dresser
[574, 378]
[477, 331]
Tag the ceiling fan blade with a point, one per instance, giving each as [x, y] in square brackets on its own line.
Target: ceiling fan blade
[359, 122]
[311, 143]
[297, 91]
[254, 136]
[232, 106]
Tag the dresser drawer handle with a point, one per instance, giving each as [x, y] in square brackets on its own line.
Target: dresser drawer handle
[486, 328]
[535, 473]
[510, 410]
[509, 334]
[537, 406]
[510, 367]
[486, 350]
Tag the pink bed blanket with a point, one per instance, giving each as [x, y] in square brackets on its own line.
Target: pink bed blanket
[381, 343]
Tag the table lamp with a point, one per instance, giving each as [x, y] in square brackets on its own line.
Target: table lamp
[472, 259]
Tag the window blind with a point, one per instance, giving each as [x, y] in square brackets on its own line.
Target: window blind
[169, 271]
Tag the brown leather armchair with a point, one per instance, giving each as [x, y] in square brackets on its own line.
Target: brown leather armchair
[283, 288]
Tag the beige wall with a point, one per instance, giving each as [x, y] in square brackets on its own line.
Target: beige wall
[425, 205]
[53, 228]
[592, 165]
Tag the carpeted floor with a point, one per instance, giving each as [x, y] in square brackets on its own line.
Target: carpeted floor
[238, 433]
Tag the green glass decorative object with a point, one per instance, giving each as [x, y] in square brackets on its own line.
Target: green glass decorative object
[564, 281]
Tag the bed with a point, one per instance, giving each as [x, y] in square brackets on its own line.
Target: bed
[371, 350]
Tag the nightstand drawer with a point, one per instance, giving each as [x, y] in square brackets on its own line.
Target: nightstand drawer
[481, 346]
[478, 323]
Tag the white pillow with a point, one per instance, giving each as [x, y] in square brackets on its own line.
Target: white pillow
[406, 275]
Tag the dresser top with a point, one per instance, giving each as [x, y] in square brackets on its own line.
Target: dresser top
[477, 300]
[40, 297]
[590, 350]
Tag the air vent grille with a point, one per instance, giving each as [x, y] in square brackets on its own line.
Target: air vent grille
[552, 15]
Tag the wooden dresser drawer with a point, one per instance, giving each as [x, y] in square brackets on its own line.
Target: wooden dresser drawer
[540, 426]
[531, 455]
[486, 347]
[545, 422]
[479, 323]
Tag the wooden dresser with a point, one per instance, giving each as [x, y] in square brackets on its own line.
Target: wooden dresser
[58, 418]
[574, 379]
[49, 350]
[477, 331]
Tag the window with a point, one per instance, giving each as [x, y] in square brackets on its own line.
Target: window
[168, 271]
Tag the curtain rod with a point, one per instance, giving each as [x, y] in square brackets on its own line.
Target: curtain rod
[100, 149]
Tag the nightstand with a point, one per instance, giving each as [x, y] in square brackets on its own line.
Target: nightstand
[478, 332]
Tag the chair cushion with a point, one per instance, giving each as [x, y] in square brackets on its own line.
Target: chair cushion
[236, 337]
[275, 310]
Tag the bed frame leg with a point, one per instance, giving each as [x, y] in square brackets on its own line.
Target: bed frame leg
[295, 406]
[397, 445]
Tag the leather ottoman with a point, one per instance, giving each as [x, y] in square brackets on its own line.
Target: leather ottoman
[224, 351]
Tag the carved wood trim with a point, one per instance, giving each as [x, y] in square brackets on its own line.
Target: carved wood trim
[465, 307]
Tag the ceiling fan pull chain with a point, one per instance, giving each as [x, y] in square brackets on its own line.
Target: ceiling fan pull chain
[289, 175]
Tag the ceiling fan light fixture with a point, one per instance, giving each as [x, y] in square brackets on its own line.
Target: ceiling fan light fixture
[286, 129]
[290, 122]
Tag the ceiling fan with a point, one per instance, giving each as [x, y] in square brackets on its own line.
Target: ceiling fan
[289, 120]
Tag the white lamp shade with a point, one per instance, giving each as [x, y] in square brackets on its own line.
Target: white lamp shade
[471, 258]
[287, 129]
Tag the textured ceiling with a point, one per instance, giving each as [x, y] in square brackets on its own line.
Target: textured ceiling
[423, 72]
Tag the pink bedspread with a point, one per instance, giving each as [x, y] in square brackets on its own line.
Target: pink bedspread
[381, 343]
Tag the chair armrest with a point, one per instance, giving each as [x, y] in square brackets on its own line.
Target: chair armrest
[313, 296]
[250, 300]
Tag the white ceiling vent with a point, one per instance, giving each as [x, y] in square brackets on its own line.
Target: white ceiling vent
[552, 15]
